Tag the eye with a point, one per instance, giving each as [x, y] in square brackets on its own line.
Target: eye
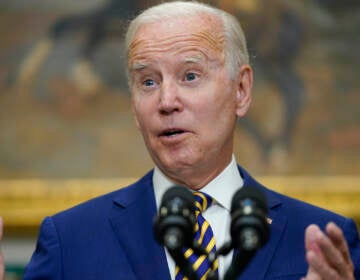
[190, 76]
[149, 83]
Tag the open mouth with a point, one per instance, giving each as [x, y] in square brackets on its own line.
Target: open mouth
[172, 132]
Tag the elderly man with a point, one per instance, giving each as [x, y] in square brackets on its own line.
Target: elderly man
[190, 80]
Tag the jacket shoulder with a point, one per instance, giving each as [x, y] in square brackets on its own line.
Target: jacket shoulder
[98, 208]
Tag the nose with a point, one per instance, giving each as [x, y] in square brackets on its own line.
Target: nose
[169, 99]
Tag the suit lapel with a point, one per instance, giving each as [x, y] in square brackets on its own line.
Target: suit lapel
[134, 210]
[132, 217]
[259, 265]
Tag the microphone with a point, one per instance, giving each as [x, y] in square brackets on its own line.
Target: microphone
[249, 228]
[174, 225]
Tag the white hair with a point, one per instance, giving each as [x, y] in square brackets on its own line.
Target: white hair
[236, 53]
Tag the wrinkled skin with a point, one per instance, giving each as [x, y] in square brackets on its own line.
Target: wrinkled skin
[184, 101]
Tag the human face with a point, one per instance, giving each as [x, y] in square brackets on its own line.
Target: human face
[183, 99]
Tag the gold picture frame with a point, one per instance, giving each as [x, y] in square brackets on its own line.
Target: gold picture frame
[25, 202]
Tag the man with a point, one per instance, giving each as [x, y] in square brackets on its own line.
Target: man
[190, 80]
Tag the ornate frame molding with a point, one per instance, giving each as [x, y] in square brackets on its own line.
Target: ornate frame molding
[25, 202]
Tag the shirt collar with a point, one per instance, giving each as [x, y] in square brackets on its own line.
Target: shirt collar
[221, 188]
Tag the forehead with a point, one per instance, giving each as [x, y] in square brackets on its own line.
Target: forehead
[200, 34]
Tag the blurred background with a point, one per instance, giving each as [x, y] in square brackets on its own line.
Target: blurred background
[65, 107]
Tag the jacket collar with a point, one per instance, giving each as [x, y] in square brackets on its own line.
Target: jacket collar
[132, 221]
[259, 265]
[147, 257]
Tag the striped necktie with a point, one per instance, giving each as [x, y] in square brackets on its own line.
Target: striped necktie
[205, 237]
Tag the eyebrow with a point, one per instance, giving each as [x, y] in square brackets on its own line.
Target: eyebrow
[194, 59]
[137, 66]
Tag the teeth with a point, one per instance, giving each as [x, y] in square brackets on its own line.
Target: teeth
[172, 132]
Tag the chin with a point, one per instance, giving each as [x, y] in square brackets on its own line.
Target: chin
[178, 165]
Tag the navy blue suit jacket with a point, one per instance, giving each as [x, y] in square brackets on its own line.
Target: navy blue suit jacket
[111, 237]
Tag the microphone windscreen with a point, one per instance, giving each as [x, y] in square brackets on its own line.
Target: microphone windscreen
[179, 192]
[249, 193]
[174, 224]
[182, 195]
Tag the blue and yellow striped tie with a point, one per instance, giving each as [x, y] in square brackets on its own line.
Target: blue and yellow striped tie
[205, 237]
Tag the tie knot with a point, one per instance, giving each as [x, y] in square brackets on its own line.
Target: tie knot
[202, 201]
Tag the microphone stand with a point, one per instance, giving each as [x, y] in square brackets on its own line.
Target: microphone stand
[175, 241]
[184, 265]
[238, 264]
[211, 257]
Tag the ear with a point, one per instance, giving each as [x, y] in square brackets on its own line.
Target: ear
[244, 89]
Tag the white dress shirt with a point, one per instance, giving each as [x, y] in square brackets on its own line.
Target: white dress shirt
[222, 189]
